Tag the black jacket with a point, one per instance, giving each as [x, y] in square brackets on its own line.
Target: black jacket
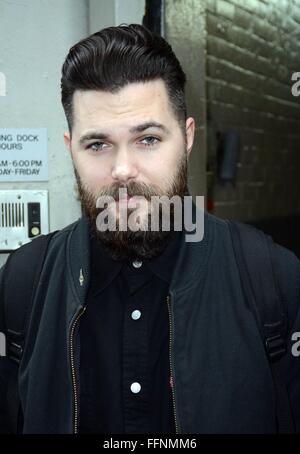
[222, 381]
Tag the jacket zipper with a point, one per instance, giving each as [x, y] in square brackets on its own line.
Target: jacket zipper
[73, 371]
[171, 364]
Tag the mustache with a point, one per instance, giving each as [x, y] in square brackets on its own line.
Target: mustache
[133, 189]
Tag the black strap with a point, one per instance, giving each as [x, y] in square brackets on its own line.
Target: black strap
[21, 276]
[253, 252]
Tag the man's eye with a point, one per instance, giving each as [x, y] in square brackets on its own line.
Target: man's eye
[96, 146]
[147, 141]
[150, 141]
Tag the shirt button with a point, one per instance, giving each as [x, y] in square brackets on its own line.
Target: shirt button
[135, 315]
[135, 387]
[137, 263]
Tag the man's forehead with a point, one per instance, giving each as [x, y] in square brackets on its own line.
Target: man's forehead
[133, 104]
[133, 96]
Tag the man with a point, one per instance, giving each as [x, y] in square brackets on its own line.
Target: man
[139, 330]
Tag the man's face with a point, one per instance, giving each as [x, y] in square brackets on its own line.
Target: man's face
[130, 139]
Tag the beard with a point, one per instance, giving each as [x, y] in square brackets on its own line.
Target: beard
[141, 244]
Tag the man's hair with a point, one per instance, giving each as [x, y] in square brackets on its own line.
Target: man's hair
[116, 56]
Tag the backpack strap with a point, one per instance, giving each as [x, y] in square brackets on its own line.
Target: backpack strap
[20, 279]
[253, 252]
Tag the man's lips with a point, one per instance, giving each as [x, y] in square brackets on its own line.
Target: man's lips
[125, 199]
[130, 201]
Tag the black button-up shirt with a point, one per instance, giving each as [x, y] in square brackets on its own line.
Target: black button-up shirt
[125, 384]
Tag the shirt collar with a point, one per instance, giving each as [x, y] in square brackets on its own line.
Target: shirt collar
[163, 264]
[105, 268]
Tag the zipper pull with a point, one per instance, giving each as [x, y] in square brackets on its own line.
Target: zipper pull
[81, 277]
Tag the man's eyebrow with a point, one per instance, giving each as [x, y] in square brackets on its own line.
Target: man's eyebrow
[149, 124]
[99, 135]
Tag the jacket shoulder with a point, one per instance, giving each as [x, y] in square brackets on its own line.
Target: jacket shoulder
[287, 269]
[286, 266]
[34, 245]
[18, 273]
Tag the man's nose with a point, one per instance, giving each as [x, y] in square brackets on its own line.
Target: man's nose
[124, 167]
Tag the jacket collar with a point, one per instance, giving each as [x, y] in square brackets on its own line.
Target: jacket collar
[78, 259]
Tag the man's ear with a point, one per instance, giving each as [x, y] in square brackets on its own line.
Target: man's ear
[67, 140]
[190, 134]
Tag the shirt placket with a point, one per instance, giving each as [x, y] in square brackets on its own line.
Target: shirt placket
[135, 352]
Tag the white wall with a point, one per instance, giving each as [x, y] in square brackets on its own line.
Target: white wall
[35, 37]
[104, 13]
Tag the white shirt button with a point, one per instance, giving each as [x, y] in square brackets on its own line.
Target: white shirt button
[135, 315]
[137, 263]
[135, 387]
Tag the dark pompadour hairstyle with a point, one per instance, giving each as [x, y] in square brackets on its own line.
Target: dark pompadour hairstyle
[116, 56]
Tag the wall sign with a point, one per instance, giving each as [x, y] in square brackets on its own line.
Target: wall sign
[23, 154]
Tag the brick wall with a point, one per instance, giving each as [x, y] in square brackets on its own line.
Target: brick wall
[253, 47]
[185, 31]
